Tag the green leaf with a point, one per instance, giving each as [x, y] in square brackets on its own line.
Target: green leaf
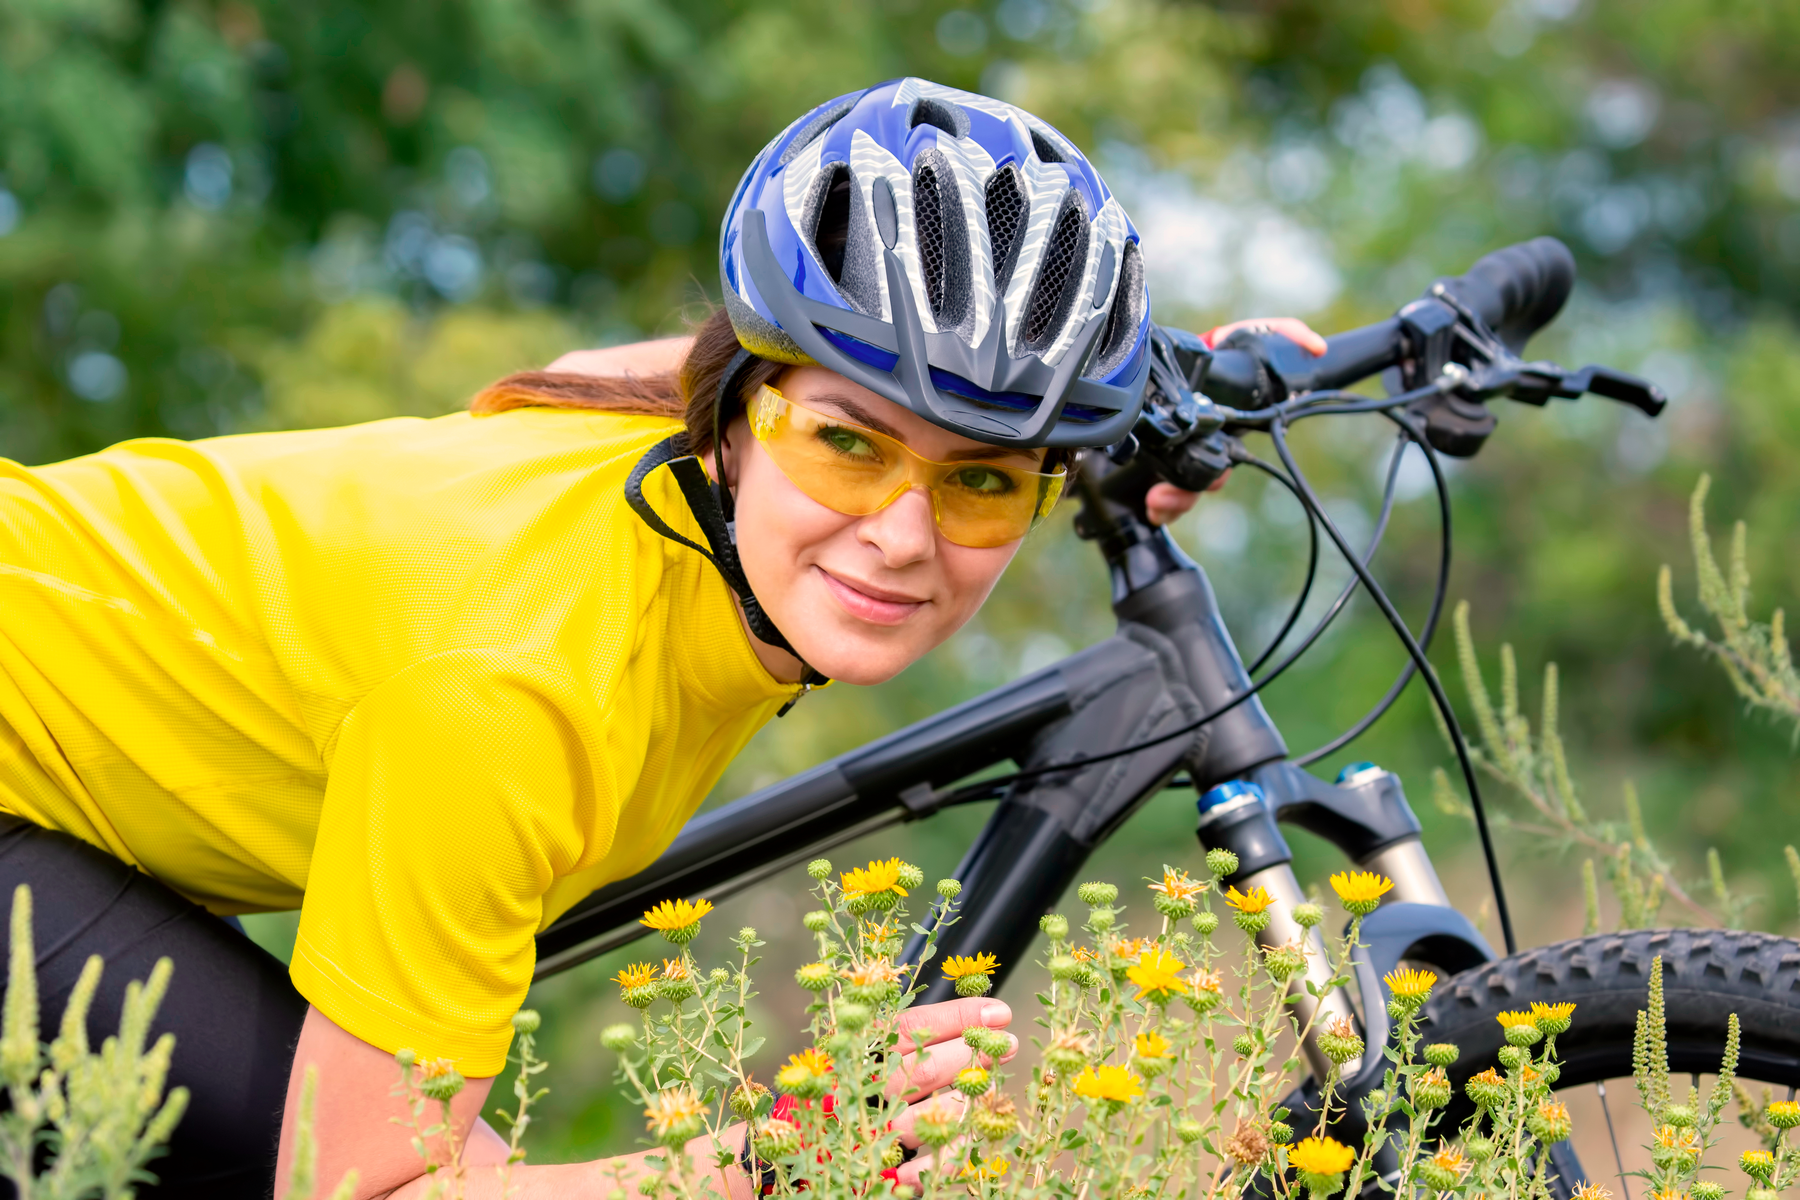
[752, 1046]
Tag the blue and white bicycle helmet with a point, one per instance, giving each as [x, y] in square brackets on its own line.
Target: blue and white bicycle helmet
[950, 252]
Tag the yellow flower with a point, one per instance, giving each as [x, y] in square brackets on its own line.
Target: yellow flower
[1203, 980]
[878, 933]
[1130, 948]
[1410, 984]
[958, 966]
[674, 968]
[1509, 1020]
[674, 1114]
[1591, 1191]
[1758, 1164]
[873, 973]
[1254, 901]
[1321, 1156]
[1176, 885]
[1157, 971]
[1678, 1138]
[1083, 954]
[1115, 1084]
[878, 876]
[1784, 1114]
[435, 1068]
[637, 975]
[993, 1168]
[1452, 1159]
[1152, 1045]
[675, 914]
[811, 1059]
[1554, 1012]
[1360, 887]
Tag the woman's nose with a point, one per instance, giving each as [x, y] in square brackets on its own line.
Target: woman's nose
[905, 531]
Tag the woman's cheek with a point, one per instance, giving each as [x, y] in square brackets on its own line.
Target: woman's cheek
[972, 573]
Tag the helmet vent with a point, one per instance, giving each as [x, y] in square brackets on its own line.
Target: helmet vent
[1046, 149]
[1006, 221]
[821, 121]
[1059, 277]
[948, 117]
[1126, 318]
[928, 226]
[832, 234]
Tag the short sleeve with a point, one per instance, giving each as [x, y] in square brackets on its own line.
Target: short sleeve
[458, 792]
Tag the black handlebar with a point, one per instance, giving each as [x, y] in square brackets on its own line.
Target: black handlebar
[1517, 290]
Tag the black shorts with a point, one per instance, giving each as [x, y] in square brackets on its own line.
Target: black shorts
[235, 1016]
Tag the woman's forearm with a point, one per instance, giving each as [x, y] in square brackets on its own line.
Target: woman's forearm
[639, 358]
[582, 1181]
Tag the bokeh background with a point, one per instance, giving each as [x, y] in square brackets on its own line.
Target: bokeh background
[218, 218]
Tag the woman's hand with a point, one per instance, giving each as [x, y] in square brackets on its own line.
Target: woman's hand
[1165, 502]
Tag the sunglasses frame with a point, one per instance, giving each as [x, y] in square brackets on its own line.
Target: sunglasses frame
[1049, 484]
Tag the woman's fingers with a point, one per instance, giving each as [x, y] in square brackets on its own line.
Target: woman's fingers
[1292, 328]
[947, 1019]
[925, 1072]
[1164, 503]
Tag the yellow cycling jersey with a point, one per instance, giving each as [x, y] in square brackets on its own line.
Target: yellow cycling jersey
[429, 681]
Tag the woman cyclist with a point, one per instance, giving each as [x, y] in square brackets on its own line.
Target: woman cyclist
[433, 682]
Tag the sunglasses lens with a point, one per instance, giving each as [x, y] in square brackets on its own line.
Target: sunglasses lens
[856, 471]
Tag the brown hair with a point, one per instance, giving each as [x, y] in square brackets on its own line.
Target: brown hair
[687, 395]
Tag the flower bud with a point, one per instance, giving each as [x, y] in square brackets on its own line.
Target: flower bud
[1064, 966]
[1308, 915]
[1549, 1121]
[983, 1040]
[936, 1124]
[526, 1021]
[746, 935]
[1054, 925]
[406, 1056]
[949, 889]
[1430, 1089]
[1442, 1054]
[1757, 1193]
[1189, 1130]
[640, 997]
[1244, 1044]
[777, 1139]
[1284, 962]
[1706, 1189]
[442, 1086]
[853, 1018]
[1101, 919]
[675, 987]
[1514, 1057]
[995, 1118]
[911, 877]
[1486, 1089]
[815, 977]
[1206, 922]
[1097, 894]
[1251, 922]
[893, 1154]
[750, 1100]
[1479, 1148]
[974, 985]
[1176, 908]
[1280, 1132]
[819, 868]
[1221, 862]
[1679, 1115]
[817, 921]
[1523, 1035]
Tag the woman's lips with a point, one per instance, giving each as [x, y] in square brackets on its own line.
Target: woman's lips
[865, 602]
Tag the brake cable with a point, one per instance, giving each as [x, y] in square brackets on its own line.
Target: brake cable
[1312, 564]
[1277, 433]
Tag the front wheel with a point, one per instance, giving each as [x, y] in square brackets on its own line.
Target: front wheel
[1708, 974]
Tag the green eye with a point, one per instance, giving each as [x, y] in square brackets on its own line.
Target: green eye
[986, 480]
[848, 442]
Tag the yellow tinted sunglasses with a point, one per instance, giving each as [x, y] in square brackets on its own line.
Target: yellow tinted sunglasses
[856, 471]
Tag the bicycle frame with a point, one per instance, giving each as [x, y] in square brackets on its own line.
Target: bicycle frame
[1171, 661]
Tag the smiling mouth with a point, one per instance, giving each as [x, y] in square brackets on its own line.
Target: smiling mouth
[878, 606]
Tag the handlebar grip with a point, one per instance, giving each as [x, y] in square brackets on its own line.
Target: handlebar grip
[1517, 290]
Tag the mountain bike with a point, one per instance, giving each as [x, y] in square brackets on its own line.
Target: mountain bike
[1168, 701]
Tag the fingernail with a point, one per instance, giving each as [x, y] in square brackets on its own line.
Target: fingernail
[995, 1014]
